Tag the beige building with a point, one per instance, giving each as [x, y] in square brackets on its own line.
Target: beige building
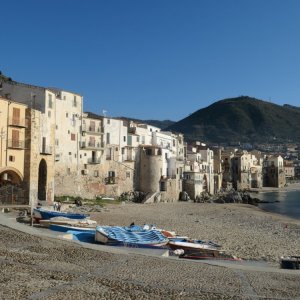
[12, 151]
[246, 171]
[273, 171]
[289, 169]
[40, 136]
[26, 171]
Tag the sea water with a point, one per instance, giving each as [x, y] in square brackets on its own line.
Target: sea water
[284, 202]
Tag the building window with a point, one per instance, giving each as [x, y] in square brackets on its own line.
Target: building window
[68, 131]
[75, 101]
[124, 138]
[96, 173]
[127, 174]
[138, 139]
[67, 115]
[73, 137]
[69, 171]
[50, 103]
[49, 114]
[70, 153]
[108, 121]
[64, 97]
[11, 158]
[107, 138]
[56, 127]
[75, 155]
[80, 156]
[123, 150]
[56, 142]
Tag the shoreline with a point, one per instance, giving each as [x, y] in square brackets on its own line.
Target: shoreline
[289, 188]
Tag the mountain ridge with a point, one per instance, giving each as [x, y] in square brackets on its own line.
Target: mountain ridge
[242, 119]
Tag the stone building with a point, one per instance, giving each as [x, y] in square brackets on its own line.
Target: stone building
[289, 170]
[26, 167]
[39, 161]
[273, 171]
[246, 171]
[159, 183]
[199, 175]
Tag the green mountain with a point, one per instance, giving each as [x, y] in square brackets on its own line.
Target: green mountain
[242, 119]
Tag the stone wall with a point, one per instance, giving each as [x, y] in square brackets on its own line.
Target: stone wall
[91, 180]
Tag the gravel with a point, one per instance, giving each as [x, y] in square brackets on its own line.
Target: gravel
[32, 267]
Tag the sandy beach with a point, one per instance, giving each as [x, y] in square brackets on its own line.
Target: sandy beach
[34, 267]
[243, 230]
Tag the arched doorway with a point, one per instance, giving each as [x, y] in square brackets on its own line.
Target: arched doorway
[42, 184]
[12, 191]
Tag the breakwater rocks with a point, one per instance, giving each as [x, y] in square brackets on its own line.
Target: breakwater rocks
[229, 197]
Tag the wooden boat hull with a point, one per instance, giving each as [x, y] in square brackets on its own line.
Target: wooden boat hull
[208, 255]
[174, 245]
[42, 214]
[66, 228]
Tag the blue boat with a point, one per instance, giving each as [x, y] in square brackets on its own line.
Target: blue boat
[87, 236]
[43, 214]
[67, 228]
[130, 237]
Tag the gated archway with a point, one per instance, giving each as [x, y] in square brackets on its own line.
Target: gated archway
[12, 191]
[42, 183]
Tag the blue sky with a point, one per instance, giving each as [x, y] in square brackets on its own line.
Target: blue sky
[155, 59]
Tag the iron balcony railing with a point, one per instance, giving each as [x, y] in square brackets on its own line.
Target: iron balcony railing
[46, 149]
[16, 144]
[110, 180]
[92, 145]
[94, 160]
[18, 122]
[92, 129]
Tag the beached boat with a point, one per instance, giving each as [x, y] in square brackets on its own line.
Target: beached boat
[68, 221]
[66, 228]
[130, 237]
[208, 254]
[290, 262]
[43, 214]
[189, 244]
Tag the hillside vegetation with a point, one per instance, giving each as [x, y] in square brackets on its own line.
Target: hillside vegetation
[242, 119]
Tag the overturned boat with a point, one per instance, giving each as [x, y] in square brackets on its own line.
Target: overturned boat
[208, 255]
[130, 237]
[44, 214]
[68, 222]
[190, 244]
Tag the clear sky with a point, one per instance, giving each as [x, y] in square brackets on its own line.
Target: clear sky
[154, 59]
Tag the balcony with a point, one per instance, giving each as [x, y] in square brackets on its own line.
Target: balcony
[92, 145]
[17, 122]
[46, 149]
[94, 160]
[110, 180]
[93, 130]
[16, 144]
